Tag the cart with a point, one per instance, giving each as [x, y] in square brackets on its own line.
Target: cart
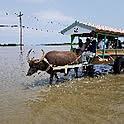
[113, 56]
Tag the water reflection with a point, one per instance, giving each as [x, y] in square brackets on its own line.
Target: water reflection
[21, 49]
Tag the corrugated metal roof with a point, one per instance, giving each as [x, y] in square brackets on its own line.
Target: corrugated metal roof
[96, 28]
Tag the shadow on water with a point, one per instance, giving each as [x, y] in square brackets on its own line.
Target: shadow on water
[44, 81]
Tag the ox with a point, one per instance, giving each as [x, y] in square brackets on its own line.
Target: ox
[51, 59]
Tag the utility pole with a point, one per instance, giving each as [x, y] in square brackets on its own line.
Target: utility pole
[20, 32]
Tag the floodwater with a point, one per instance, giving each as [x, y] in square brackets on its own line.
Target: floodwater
[29, 100]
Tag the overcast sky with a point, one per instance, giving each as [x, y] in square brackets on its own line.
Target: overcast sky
[43, 19]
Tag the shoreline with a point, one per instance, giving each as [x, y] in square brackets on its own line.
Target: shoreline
[11, 44]
[52, 44]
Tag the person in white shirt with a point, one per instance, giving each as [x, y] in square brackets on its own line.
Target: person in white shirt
[100, 44]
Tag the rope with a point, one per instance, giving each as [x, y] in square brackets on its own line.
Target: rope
[76, 59]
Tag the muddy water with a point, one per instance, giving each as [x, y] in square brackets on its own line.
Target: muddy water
[29, 100]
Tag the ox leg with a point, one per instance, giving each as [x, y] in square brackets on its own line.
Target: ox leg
[51, 79]
[76, 72]
[56, 76]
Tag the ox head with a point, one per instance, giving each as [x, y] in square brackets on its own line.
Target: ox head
[35, 64]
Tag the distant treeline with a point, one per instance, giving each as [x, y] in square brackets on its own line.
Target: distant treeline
[52, 44]
[57, 44]
[12, 44]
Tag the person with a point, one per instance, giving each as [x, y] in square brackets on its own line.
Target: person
[92, 47]
[83, 46]
[100, 43]
[80, 49]
[119, 44]
[87, 43]
[109, 45]
[91, 50]
[115, 44]
[80, 45]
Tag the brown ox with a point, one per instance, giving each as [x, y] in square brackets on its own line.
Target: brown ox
[49, 60]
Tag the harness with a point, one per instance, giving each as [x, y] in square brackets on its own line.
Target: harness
[50, 65]
[76, 59]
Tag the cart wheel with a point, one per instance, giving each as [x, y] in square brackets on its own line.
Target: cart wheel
[119, 65]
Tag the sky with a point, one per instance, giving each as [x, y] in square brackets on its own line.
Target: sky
[44, 19]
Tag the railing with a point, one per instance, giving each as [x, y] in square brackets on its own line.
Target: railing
[110, 52]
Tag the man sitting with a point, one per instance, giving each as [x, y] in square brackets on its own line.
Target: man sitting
[91, 50]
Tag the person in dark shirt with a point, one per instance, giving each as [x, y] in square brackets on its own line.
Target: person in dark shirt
[80, 47]
[117, 44]
[83, 46]
[92, 47]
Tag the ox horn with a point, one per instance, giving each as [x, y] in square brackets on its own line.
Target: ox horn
[28, 59]
[41, 58]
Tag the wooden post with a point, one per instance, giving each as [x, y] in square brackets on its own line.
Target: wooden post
[20, 28]
[96, 42]
[116, 47]
[20, 19]
[72, 38]
[104, 46]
